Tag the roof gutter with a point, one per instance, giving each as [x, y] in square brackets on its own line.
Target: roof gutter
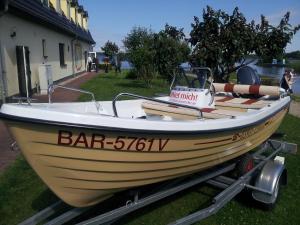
[3, 7]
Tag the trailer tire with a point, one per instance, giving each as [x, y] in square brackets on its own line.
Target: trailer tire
[245, 164]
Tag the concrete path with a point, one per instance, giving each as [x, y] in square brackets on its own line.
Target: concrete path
[295, 108]
[7, 155]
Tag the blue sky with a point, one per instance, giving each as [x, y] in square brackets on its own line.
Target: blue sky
[113, 20]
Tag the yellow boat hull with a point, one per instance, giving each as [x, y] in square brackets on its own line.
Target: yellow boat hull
[84, 166]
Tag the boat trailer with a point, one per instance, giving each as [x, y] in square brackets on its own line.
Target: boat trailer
[257, 179]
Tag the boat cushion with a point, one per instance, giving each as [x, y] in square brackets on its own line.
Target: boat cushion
[248, 89]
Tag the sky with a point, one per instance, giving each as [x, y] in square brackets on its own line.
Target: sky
[114, 19]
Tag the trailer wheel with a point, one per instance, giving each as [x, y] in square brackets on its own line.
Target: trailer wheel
[271, 206]
[271, 177]
[245, 164]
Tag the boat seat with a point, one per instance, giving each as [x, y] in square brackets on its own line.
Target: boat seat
[158, 109]
[244, 103]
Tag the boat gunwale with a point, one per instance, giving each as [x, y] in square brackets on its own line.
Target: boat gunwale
[8, 117]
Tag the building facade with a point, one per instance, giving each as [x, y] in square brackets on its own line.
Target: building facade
[41, 32]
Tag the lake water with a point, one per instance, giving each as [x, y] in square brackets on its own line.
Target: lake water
[276, 73]
[271, 72]
[296, 86]
[125, 65]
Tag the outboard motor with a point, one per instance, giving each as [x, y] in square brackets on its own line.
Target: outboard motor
[247, 75]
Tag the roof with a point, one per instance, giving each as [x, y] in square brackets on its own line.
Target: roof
[35, 11]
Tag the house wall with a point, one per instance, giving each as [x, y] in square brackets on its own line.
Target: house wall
[54, 3]
[73, 11]
[79, 19]
[65, 7]
[31, 35]
[85, 23]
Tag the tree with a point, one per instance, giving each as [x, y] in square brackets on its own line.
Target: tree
[110, 49]
[139, 44]
[171, 51]
[271, 41]
[293, 55]
[221, 40]
[123, 56]
[173, 32]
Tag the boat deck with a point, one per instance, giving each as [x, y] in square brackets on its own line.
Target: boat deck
[224, 107]
[142, 114]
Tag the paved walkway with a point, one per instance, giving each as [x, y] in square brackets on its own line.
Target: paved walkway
[295, 108]
[7, 155]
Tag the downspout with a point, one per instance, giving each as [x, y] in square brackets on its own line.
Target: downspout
[73, 57]
[3, 10]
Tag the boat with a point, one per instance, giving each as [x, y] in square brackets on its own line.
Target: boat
[85, 152]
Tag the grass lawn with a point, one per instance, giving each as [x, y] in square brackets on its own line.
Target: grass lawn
[106, 86]
[296, 98]
[22, 193]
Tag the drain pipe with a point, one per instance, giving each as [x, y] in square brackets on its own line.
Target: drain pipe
[2, 77]
[73, 57]
[3, 10]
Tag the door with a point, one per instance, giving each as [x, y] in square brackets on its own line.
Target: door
[1, 80]
[24, 72]
[85, 58]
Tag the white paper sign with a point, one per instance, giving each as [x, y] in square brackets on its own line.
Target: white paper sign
[190, 97]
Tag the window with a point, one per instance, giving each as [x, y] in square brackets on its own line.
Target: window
[58, 6]
[76, 16]
[62, 55]
[45, 2]
[44, 48]
[68, 10]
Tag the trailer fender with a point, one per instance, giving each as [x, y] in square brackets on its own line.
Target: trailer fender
[271, 176]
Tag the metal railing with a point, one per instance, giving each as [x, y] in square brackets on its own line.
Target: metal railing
[151, 99]
[52, 87]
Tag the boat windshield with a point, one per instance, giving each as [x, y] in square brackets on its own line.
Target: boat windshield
[192, 77]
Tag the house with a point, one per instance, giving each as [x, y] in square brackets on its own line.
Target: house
[36, 33]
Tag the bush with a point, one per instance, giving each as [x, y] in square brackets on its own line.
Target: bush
[152, 53]
[132, 75]
[171, 50]
[139, 44]
[102, 66]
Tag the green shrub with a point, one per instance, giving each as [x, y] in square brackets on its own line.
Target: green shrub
[102, 66]
[132, 75]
